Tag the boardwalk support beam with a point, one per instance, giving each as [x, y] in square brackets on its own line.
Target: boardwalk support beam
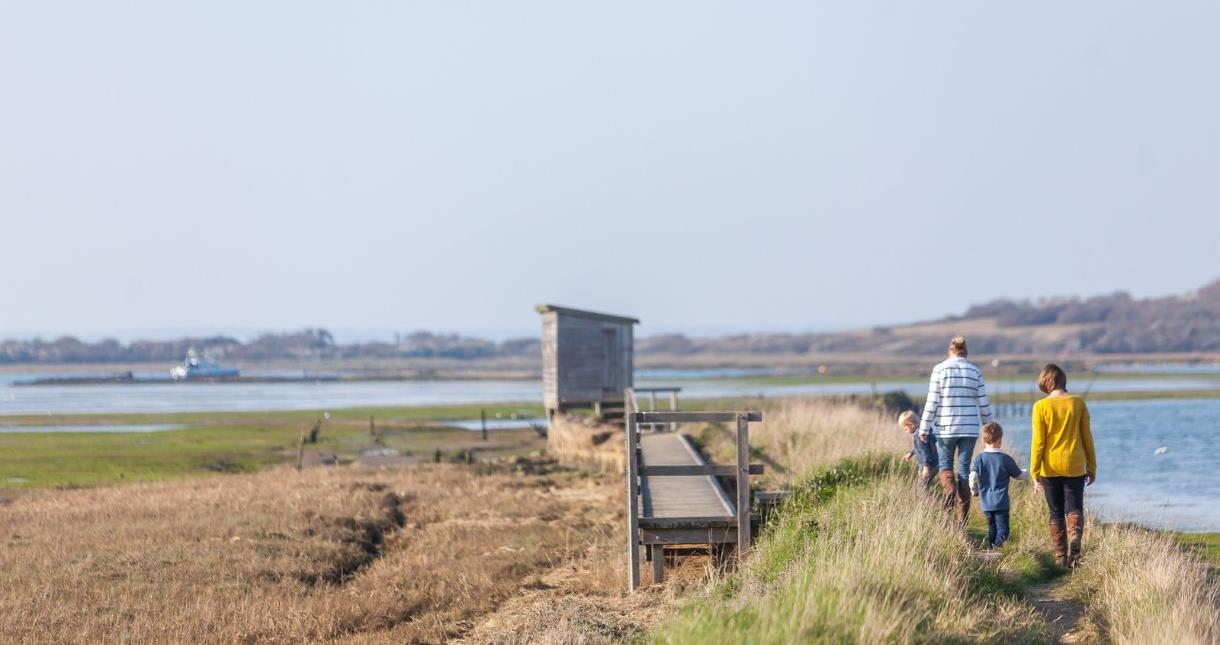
[743, 486]
[633, 499]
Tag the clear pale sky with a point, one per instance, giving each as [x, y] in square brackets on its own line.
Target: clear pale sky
[707, 167]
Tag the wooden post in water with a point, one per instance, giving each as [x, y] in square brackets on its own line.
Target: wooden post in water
[372, 426]
[633, 511]
[483, 422]
[743, 487]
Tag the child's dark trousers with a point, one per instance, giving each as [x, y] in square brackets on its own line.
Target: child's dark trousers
[997, 527]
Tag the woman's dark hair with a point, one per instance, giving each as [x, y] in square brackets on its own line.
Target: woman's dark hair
[1052, 378]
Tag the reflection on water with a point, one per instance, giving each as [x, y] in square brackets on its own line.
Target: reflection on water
[1156, 461]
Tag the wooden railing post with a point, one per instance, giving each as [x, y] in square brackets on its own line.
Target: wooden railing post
[743, 486]
[633, 491]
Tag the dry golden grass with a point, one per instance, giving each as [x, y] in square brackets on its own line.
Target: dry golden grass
[587, 443]
[798, 436]
[1146, 589]
[287, 557]
[804, 434]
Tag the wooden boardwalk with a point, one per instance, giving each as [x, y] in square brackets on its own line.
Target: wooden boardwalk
[678, 496]
[674, 498]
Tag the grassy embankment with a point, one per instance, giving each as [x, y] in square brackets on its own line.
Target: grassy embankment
[859, 556]
[212, 442]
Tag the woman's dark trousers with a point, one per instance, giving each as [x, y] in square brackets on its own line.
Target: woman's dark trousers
[1065, 499]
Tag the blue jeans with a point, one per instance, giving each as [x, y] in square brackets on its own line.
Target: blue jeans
[965, 450]
[925, 453]
[997, 527]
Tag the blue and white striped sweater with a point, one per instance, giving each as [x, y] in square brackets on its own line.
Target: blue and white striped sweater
[956, 396]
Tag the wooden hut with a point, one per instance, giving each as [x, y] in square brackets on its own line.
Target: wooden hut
[586, 359]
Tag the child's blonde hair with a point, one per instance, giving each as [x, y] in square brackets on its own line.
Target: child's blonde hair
[908, 418]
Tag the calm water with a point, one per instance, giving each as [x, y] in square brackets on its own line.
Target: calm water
[1178, 488]
[220, 397]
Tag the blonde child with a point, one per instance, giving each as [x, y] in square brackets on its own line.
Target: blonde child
[923, 451]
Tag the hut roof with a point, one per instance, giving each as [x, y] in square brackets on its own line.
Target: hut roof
[585, 314]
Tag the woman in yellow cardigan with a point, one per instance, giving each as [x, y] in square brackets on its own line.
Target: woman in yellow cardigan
[1062, 461]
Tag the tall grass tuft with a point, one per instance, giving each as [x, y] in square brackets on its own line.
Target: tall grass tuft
[1147, 589]
[798, 436]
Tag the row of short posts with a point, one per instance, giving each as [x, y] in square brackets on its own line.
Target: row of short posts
[311, 435]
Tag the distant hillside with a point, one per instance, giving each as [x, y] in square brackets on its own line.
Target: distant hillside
[1115, 323]
[1108, 324]
[1119, 323]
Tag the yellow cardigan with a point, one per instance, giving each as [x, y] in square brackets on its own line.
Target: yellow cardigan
[1063, 442]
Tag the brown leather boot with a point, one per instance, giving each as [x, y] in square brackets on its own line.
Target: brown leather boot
[1075, 531]
[963, 501]
[948, 487]
[1059, 542]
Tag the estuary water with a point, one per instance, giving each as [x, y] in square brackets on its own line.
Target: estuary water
[115, 398]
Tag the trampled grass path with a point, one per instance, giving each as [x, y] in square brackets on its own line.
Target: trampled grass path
[1062, 615]
[1050, 600]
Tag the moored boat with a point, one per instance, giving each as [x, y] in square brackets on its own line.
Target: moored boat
[195, 367]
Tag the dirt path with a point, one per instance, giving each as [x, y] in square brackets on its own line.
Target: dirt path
[1063, 616]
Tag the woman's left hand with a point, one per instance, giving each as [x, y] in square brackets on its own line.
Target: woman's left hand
[1089, 479]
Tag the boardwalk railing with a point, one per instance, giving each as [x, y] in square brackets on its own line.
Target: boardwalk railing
[652, 393]
[687, 505]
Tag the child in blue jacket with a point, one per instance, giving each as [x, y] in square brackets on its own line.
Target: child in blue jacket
[989, 478]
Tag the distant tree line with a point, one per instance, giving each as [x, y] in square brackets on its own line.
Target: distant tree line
[1114, 323]
[304, 344]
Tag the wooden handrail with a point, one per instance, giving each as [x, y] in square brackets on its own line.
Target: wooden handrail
[695, 417]
[686, 471]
